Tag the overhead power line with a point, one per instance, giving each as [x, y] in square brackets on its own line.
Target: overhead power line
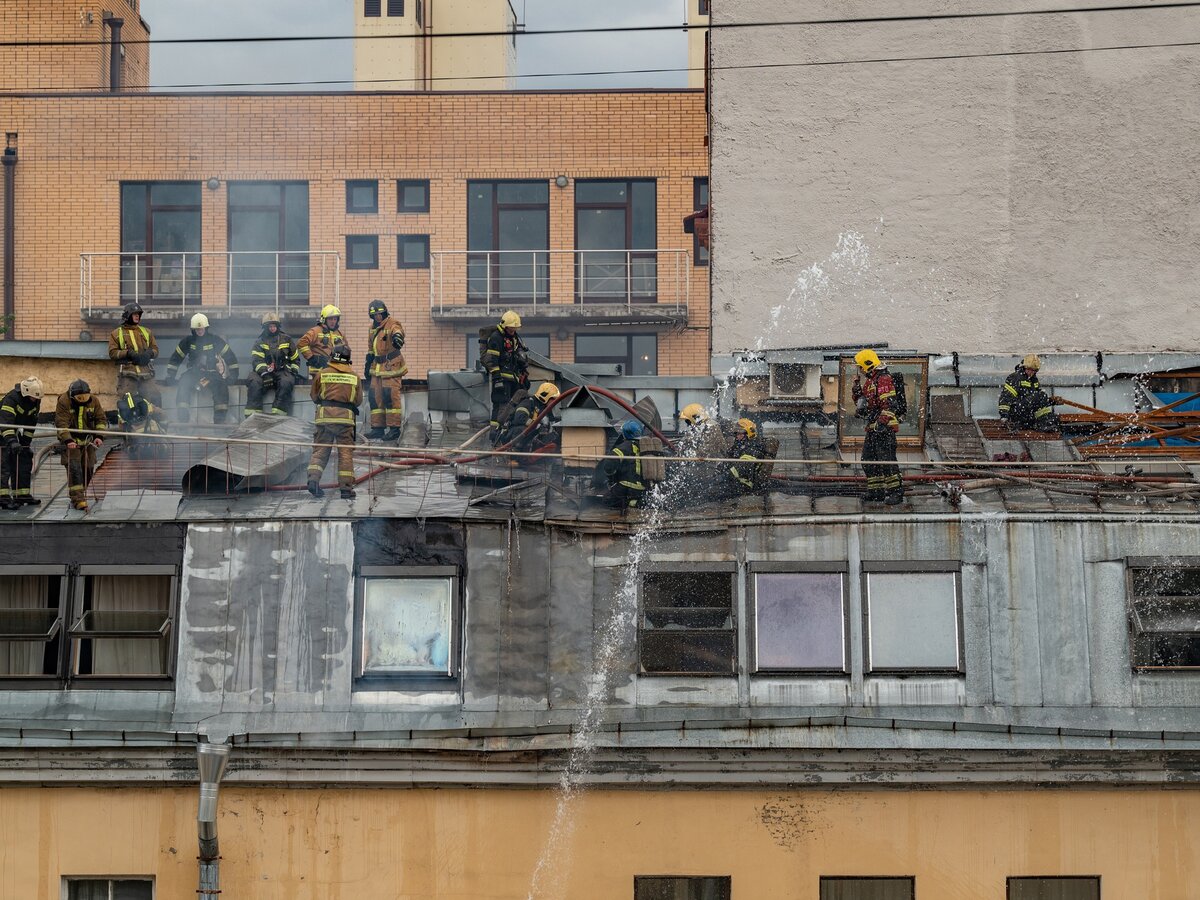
[622, 29]
[654, 71]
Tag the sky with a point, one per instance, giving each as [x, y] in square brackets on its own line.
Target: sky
[259, 64]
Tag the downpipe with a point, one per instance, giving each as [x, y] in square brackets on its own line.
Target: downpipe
[211, 760]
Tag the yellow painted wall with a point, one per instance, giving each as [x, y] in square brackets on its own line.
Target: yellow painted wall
[484, 844]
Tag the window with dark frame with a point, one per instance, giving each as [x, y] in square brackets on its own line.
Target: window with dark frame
[704, 4]
[682, 887]
[160, 242]
[395, 8]
[1164, 613]
[121, 625]
[372, 8]
[636, 354]
[616, 240]
[867, 888]
[412, 195]
[687, 624]
[362, 251]
[268, 239]
[800, 621]
[31, 621]
[699, 201]
[538, 343]
[362, 196]
[412, 251]
[1055, 887]
[110, 888]
[508, 241]
[912, 620]
[407, 629]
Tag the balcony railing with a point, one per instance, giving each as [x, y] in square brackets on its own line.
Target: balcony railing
[253, 280]
[498, 279]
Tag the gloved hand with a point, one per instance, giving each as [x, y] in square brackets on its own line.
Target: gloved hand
[860, 408]
[367, 366]
[317, 361]
[12, 444]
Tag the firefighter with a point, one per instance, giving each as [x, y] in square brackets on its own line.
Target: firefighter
[338, 394]
[747, 476]
[18, 415]
[1023, 403]
[876, 403]
[139, 416]
[505, 361]
[276, 366]
[78, 413]
[211, 365]
[525, 412]
[626, 489]
[316, 345]
[385, 370]
[132, 347]
[700, 438]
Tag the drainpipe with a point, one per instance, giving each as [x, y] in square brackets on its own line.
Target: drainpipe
[10, 241]
[211, 759]
[114, 52]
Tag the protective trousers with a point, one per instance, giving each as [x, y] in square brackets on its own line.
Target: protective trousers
[16, 470]
[880, 445]
[80, 461]
[131, 384]
[257, 386]
[191, 387]
[502, 392]
[387, 402]
[343, 437]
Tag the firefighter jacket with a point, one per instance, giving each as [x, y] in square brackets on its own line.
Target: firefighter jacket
[138, 414]
[703, 441]
[626, 470]
[523, 413]
[384, 359]
[316, 344]
[1017, 387]
[275, 353]
[504, 359]
[73, 419]
[18, 416]
[338, 393]
[201, 353]
[748, 474]
[132, 347]
[879, 390]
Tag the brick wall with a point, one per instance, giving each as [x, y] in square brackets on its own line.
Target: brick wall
[76, 150]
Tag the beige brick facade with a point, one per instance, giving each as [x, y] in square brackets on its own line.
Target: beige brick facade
[76, 150]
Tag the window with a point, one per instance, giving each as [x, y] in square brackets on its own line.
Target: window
[408, 626]
[160, 241]
[687, 623]
[800, 622]
[110, 888]
[412, 196]
[1054, 887]
[268, 235]
[371, 8]
[616, 236]
[412, 251]
[868, 888]
[1164, 613]
[669, 887]
[704, 7]
[121, 625]
[636, 354]
[508, 236]
[362, 251]
[362, 196]
[699, 201]
[911, 620]
[31, 602]
[395, 7]
[538, 343]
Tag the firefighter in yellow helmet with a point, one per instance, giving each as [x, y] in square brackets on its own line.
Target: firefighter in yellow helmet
[747, 476]
[316, 345]
[506, 362]
[522, 413]
[338, 394]
[138, 416]
[132, 347]
[77, 417]
[877, 403]
[1023, 404]
[385, 370]
[18, 416]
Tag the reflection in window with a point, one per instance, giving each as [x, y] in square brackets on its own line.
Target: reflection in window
[160, 223]
[800, 621]
[1054, 888]
[686, 624]
[1164, 614]
[362, 251]
[675, 887]
[868, 888]
[636, 354]
[412, 196]
[268, 234]
[407, 626]
[508, 234]
[412, 251]
[616, 235]
[699, 201]
[362, 196]
[912, 621]
[30, 625]
[122, 625]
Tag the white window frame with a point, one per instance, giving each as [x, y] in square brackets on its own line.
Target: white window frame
[913, 567]
[57, 629]
[365, 680]
[754, 569]
[75, 634]
[65, 881]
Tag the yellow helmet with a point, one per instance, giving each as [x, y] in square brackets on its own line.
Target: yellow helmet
[693, 414]
[749, 427]
[510, 320]
[329, 312]
[867, 360]
[199, 320]
[546, 391]
[1031, 361]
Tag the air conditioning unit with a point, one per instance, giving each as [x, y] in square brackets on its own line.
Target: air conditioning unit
[795, 381]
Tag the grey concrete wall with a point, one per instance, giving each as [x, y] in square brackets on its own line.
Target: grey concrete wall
[1004, 204]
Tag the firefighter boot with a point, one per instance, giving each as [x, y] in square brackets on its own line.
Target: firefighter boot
[894, 497]
[391, 435]
[348, 493]
[376, 433]
[874, 495]
[27, 500]
[314, 488]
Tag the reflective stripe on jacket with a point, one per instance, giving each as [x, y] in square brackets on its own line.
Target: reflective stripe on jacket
[319, 341]
[18, 414]
[385, 342]
[72, 419]
[277, 349]
[127, 340]
[202, 353]
[337, 392]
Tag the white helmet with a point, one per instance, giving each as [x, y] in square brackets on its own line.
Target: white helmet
[32, 387]
[199, 320]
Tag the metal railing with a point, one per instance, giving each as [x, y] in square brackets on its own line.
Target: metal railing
[502, 278]
[230, 278]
